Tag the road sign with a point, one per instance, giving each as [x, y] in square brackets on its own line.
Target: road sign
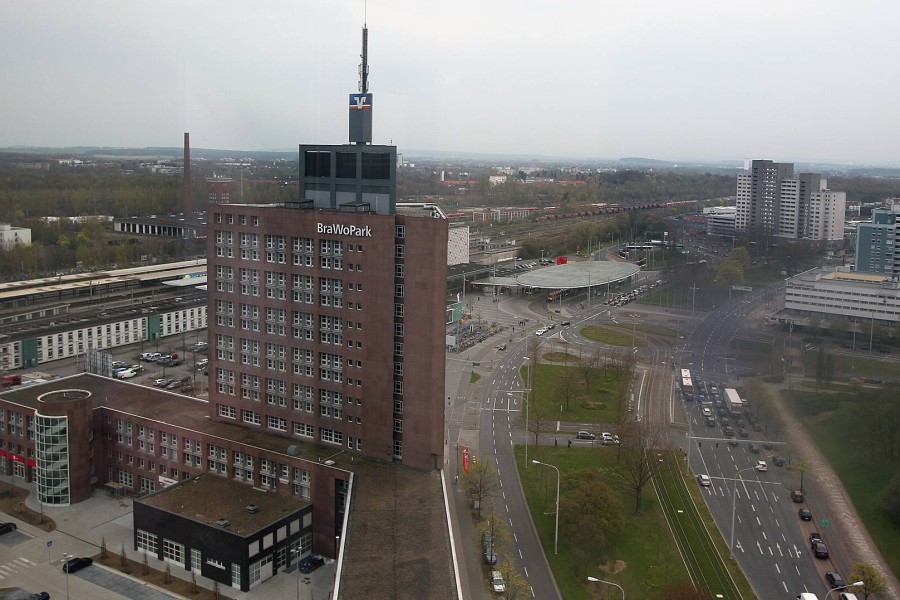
[49, 543]
[742, 288]
[825, 522]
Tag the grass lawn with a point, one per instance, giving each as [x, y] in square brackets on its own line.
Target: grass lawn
[474, 377]
[611, 336]
[652, 329]
[834, 420]
[644, 546]
[846, 367]
[589, 404]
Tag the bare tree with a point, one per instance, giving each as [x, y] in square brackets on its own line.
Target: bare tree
[588, 365]
[800, 465]
[481, 483]
[641, 442]
[565, 384]
[621, 365]
[540, 421]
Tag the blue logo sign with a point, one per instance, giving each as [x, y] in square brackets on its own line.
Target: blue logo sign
[360, 101]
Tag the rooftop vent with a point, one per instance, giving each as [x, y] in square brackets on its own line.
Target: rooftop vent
[223, 522]
[252, 509]
[329, 462]
[293, 450]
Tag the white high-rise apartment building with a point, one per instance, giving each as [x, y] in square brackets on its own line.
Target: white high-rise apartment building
[772, 200]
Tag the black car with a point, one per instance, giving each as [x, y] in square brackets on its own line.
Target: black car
[310, 563]
[805, 514]
[779, 462]
[565, 323]
[39, 596]
[820, 550]
[834, 580]
[76, 564]
[7, 527]
[814, 537]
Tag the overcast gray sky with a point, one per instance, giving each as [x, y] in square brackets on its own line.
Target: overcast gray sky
[697, 79]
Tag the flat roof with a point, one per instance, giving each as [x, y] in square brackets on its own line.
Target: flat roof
[582, 274]
[207, 498]
[398, 524]
[856, 276]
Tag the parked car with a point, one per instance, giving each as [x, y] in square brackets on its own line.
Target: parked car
[310, 563]
[39, 596]
[797, 496]
[160, 382]
[76, 564]
[779, 462]
[754, 449]
[490, 556]
[7, 527]
[814, 537]
[835, 580]
[704, 480]
[118, 363]
[820, 550]
[497, 583]
[126, 374]
[805, 514]
[585, 435]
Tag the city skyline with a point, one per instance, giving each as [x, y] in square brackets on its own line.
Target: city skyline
[795, 82]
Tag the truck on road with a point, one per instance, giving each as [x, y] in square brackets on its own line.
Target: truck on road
[733, 402]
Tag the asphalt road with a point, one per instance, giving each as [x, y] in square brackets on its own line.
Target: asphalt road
[770, 544]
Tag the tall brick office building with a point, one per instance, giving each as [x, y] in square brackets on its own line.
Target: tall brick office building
[326, 314]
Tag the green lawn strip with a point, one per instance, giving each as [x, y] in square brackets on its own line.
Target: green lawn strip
[651, 329]
[702, 543]
[852, 366]
[474, 377]
[644, 543]
[829, 419]
[591, 403]
[611, 336]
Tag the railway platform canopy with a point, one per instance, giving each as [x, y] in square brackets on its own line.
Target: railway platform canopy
[570, 276]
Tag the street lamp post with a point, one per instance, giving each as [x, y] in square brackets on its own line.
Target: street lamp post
[595, 580]
[844, 587]
[556, 534]
[66, 557]
[733, 505]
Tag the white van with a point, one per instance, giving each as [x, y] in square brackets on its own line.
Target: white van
[847, 596]
[807, 596]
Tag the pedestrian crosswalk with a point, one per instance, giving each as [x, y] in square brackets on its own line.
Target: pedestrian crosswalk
[14, 566]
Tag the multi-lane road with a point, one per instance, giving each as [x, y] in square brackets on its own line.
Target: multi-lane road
[753, 509]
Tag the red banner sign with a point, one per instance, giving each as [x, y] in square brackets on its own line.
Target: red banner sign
[465, 458]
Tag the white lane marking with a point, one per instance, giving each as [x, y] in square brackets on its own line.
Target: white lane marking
[777, 568]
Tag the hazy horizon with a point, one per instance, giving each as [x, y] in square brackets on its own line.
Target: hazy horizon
[693, 82]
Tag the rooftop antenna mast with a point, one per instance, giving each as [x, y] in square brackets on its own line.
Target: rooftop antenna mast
[364, 65]
[361, 102]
